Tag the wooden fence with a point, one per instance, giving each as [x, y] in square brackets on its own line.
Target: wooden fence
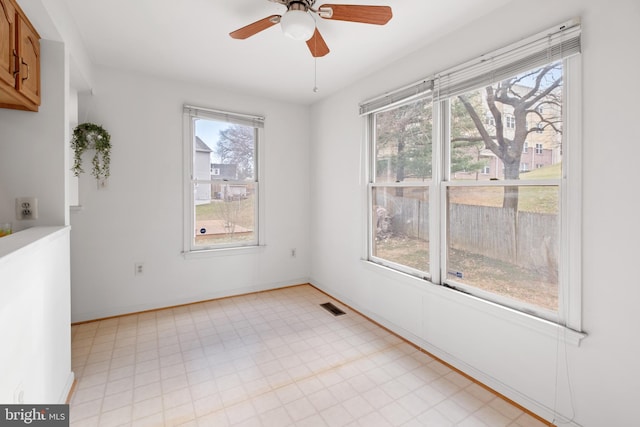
[528, 239]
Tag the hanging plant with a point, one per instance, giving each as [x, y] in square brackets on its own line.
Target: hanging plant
[91, 136]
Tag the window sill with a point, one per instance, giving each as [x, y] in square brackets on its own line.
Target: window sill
[209, 253]
[507, 314]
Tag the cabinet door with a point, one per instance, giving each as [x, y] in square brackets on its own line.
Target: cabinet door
[7, 43]
[29, 62]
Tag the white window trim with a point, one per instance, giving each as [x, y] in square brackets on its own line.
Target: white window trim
[570, 307]
[188, 219]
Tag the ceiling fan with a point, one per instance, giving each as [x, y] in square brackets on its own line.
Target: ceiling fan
[298, 22]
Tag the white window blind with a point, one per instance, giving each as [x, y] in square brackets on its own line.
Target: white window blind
[560, 41]
[225, 116]
[546, 47]
[421, 89]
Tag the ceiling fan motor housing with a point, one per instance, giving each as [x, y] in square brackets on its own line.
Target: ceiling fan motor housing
[306, 3]
[303, 5]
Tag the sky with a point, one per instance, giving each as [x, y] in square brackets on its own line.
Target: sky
[209, 131]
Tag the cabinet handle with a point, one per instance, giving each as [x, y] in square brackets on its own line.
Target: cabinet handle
[28, 71]
[16, 70]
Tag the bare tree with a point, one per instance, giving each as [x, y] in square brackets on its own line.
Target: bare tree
[236, 145]
[524, 94]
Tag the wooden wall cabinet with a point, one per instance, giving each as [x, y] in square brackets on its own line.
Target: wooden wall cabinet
[19, 59]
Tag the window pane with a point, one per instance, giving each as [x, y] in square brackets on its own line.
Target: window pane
[511, 253]
[491, 128]
[228, 216]
[400, 226]
[224, 184]
[403, 143]
[226, 149]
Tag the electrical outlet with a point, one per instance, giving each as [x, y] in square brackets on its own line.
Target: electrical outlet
[26, 208]
[138, 268]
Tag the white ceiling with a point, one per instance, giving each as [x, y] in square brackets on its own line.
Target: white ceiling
[189, 40]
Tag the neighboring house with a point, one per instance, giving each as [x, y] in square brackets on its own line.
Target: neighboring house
[226, 190]
[202, 192]
[224, 171]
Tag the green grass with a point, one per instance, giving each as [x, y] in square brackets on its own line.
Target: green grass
[547, 172]
[540, 199]
[240, 212]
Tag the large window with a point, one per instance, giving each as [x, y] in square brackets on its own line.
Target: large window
[221, 179]
[454, 197]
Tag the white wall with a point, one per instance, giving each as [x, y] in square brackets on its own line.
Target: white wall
[138, 216]
[33, 147]
[35, 361]
[517, 359]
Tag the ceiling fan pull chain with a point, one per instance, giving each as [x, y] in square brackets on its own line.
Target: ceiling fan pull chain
[315, 75]
[315, 65]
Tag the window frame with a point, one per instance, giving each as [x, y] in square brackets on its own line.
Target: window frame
[509, 121]
[190, 115]
[569, 184]
[372, 185]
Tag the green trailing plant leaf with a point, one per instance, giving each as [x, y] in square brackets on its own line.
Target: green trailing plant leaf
[89, 136]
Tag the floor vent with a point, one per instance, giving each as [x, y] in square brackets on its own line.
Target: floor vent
[332, 309]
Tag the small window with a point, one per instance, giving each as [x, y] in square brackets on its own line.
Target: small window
[525, 147]
[538, 148]
[540, 128]
[509, 121]
[490, 120]
[221, 179]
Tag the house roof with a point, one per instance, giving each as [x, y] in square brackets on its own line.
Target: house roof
[201, 146]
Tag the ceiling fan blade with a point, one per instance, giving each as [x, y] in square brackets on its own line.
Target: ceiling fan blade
[255, 28]
[317, 45]
[378, 15]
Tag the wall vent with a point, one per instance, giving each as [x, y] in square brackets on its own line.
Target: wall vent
[332, 309]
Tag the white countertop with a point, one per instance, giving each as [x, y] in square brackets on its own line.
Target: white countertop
[14, 243]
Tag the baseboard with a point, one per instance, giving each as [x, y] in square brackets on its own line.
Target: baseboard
[531, 406]
[91, 316]
[67, 391]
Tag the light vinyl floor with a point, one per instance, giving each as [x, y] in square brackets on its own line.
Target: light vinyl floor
[268, 359]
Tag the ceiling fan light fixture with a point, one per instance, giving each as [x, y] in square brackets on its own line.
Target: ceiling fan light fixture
[298, 24]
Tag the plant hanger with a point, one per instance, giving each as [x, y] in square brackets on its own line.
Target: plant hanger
[87, 136]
